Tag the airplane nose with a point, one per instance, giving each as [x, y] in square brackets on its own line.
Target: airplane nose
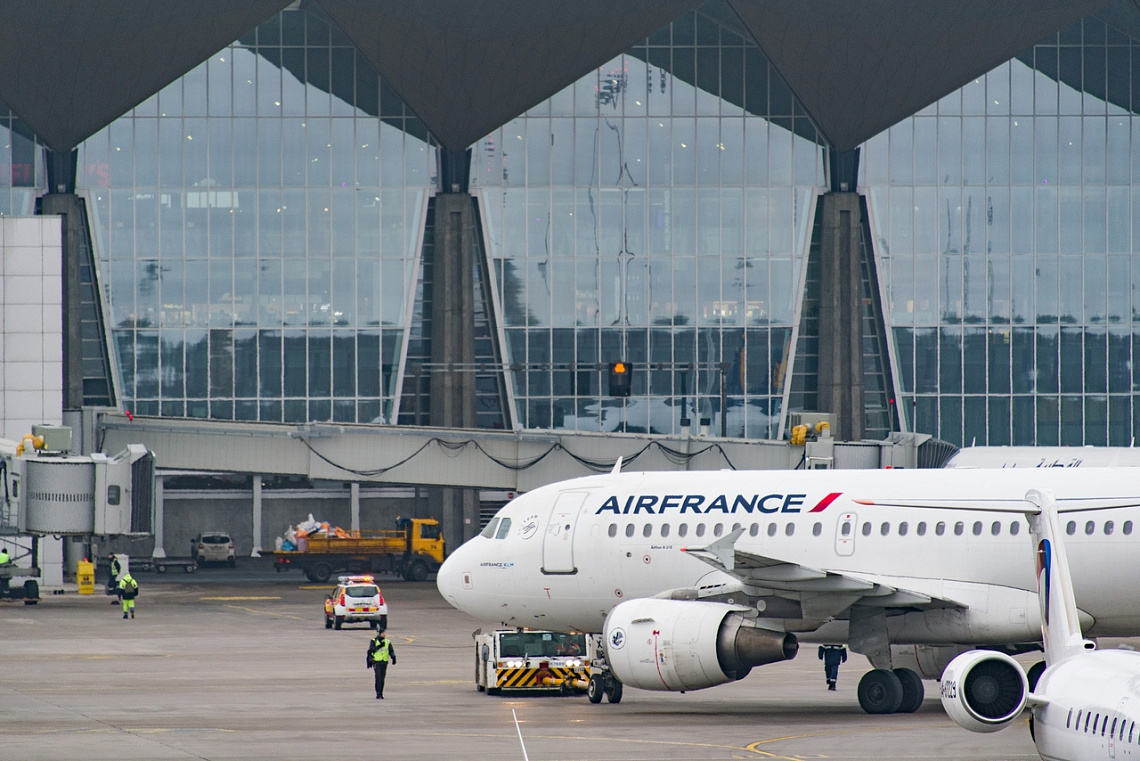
[449, 578]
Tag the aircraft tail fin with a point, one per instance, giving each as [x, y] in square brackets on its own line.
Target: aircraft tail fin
[1060, 627]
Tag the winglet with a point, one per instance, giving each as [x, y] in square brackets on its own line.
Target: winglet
[617, 466]
[721, 553]
[1060, 626]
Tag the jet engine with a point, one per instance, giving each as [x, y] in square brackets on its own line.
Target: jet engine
[928, 661]
[657, 644]
[984, 691]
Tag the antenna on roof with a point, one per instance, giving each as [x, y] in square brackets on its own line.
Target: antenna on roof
[617, 467]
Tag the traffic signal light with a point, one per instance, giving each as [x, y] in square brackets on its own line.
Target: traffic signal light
[620, 375]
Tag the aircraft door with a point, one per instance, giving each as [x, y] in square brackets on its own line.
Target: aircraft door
[845, 534]
[558, 541]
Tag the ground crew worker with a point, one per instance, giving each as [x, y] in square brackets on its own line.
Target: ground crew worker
[380, 654]
[115, 568]
[832, 656]
[128, 591]
[5, 558]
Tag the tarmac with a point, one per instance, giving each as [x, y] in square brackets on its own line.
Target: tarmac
[236, 664]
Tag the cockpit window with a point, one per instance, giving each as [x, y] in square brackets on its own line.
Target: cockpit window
[489, 531]
[504, 529]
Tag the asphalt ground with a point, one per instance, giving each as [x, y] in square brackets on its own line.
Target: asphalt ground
[236, 664]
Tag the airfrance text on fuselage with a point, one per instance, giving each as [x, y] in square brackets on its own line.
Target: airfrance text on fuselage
[722, 503]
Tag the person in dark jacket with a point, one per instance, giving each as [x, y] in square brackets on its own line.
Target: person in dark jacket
[832, 656]
[380, 654]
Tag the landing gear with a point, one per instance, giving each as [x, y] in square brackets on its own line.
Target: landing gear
[604, 685]
[913, 692]
[882, 691]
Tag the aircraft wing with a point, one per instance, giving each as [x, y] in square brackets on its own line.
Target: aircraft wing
[834, 590]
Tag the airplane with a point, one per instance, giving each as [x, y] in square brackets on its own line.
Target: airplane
[1045, 457]
[694, 578]
[1086, 703]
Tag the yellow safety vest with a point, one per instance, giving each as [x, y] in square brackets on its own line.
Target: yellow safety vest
[380, 654]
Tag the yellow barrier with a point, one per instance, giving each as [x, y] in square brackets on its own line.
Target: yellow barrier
[85, 577]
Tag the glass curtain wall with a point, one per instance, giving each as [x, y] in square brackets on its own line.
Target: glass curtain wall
[654, 212]
[257, 221]
[1004, 216]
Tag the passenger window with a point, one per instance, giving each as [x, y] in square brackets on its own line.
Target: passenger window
[1071, 528]
[817, 529]
[1080, 712]
[613, 530]
[1087, 717]
[977, 528]
[1069, 718]
[664, 530]
[959, 528]
[1126, 529]
[488, 532]
[790, 529]
[504, 529]
[884, 528]
[647, 530]
[754, 529]
[995, 529]
[771, 529]
[902, 528]
[700, 529]
[683, 529]
[920, 529]
[1108, 528]
[845, 529]
[735, 526]
[628, 530]
[866, 529]
[940, 528]
[718, 530]
[1014, 528]
[1112, 732]
[1090, 527]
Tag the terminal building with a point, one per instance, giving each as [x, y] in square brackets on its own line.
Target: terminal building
[650, 218]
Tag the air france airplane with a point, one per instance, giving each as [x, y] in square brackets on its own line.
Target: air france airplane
[1086, 704]
[695, 578]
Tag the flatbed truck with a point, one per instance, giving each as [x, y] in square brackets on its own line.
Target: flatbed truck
[413, 550]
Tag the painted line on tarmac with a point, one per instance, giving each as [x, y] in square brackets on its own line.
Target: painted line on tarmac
[754, 747]
[266, 613]
[316, 586]
[227, 599]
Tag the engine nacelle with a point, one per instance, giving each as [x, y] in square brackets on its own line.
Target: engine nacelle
[984, 691]
[657, 644]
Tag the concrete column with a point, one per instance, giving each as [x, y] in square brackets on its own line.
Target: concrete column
[159, 517]
[256, 515]
[354, 491]
[453, 347]
[68, 207]
[841, 314]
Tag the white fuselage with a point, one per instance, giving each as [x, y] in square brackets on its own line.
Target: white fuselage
[575, 549]
[1094, 708]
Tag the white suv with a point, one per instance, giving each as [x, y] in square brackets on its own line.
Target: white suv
[356, 598]
[213, 546]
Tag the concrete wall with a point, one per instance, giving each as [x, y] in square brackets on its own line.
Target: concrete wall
[31, 324]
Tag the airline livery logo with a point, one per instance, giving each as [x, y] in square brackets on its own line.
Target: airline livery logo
[1044, 566]
[699, 504]
[617, 639]
[529, 527]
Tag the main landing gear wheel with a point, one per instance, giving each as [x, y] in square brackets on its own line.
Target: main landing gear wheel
[596, 688]
[912, 690]
[880, 692]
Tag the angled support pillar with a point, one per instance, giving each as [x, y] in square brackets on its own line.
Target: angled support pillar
[840, 301]
[453, 330]
[61, 199]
